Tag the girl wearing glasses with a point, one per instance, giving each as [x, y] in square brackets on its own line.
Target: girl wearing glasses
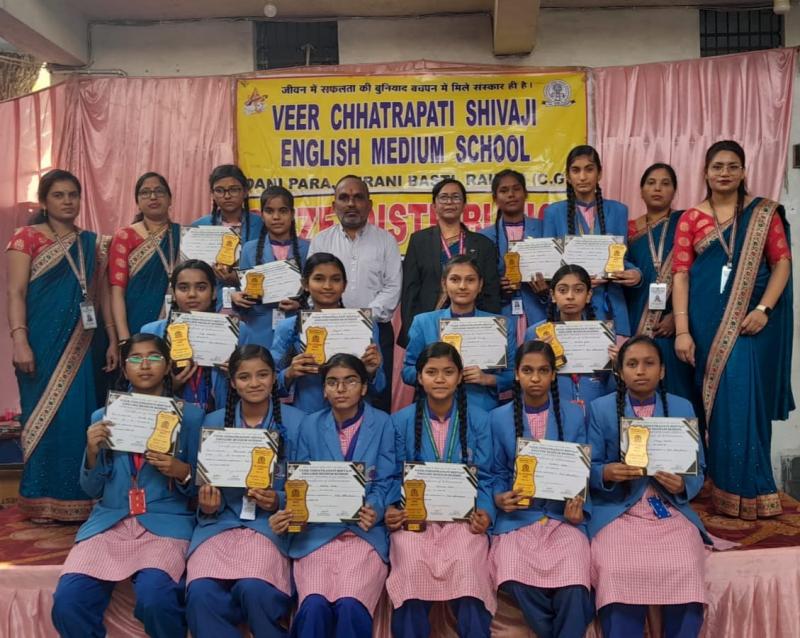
[277, 241]
[141, 525]
[431, 248]
[324, 281]
[340, 569]
[446, 561]
[238, 570]
[143, 256]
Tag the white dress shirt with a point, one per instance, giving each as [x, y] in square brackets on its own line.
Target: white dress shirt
[373, 266]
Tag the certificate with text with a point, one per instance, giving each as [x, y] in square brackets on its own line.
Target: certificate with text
[336, 331]
[448, 490]
[586, 346]
[538, 255]
[213, 336]
[672, 443]
[237, 457]
[135, 416]
[204, 243]
[559, 469]
[481, 341]
[590, 251]
[281, 280]
[330, 491]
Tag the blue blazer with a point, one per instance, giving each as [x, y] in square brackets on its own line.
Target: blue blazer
[608, 300]
[504, 441]
[425, 331]
[318, 440]
[611, 500]
[219, 381]
[534, 307]
[259, 317]
[479, 451]
[227, 517]
[307, 390]
[110, 480]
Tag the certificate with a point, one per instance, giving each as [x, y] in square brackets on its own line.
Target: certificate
[557, 470]
[135, 418]
[237, 457]
[481, 341]
[446, 491]
[670, 444]
[325, 333]
[585, 345]
[325, 491]
[538, 255]
[205, 242]
[590, 251]
[281, 280]
[213, 336]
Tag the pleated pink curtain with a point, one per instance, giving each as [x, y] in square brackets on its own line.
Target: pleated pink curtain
[672, 112]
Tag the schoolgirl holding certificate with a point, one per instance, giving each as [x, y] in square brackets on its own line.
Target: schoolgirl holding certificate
[446, 561]
[540, 549]
[647, 542]
[141, 524]
[340, 568]
[277, 241]
[585, 212]
[324, 280]
[238, 569]
[462, 283]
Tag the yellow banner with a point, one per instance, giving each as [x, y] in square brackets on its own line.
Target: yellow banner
[402, 134]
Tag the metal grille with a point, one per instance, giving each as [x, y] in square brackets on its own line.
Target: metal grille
[282, 44]
[723, 32]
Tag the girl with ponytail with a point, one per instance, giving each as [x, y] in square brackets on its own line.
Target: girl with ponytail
[647, 542]
[238, 570]
[442, 426]
[586, 212]
[277, 241]
[540, 553]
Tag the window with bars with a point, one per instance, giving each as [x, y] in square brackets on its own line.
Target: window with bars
[285, 44]
[723, 32]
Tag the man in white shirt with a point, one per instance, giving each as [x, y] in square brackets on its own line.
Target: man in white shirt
[372, 260]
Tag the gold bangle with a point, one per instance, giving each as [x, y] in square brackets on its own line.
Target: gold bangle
[682, 312]
[111, 325]
[13, 330]
[678, 334]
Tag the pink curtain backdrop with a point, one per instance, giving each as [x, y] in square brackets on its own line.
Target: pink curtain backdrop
[673, 111]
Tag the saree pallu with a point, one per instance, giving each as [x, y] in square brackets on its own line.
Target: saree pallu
[745, 380]
[148, 280]
[679, 377]
[58, 400]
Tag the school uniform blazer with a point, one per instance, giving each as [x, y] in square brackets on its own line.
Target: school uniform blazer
[504, 443]
[230, 509]
[255, 226]
[110, 480]
[608, 298]
[611, 500]
[318, 440]
[307, 390]
[479, 451]
[425, 331]
[248, 257]
[535, 307]
[422, 274]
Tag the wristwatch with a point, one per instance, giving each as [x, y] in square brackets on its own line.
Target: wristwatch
[187, 479]
[765, 309]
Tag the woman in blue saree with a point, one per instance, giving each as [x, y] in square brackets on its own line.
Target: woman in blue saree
[142, 258]
[55, 269]
[650, 248]
[732, 301]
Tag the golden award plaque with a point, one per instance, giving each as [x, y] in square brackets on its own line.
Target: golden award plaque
[296, 503]
[415, 505]
[161, 439]
[227, 252]
[259, 478]
[636, 455]
[315, 343]
[180, 350]
[254, 285]
[524, 469]
[545, 330]
[454, 339]
[513, 273]
[616, 259]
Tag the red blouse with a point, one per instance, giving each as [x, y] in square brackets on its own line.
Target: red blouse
[29, 240]
[125, 240]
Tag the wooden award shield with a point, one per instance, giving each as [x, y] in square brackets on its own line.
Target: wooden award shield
[259, 477]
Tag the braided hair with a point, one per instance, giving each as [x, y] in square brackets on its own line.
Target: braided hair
[520, 178]
[161, 346]
[735, 148]
[586, 280]
[538, 347]
[590, 152]
[268, 194]
[221, 172]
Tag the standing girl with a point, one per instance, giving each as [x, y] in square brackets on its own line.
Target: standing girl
[585, 212]
[462, 282]
[647, 541]
[540, 552]
[324, 281]
[277, 241]
[143, 257]
[238, 570]
[447, 561]
[122, 538]
[340, 569]
[56, 275]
